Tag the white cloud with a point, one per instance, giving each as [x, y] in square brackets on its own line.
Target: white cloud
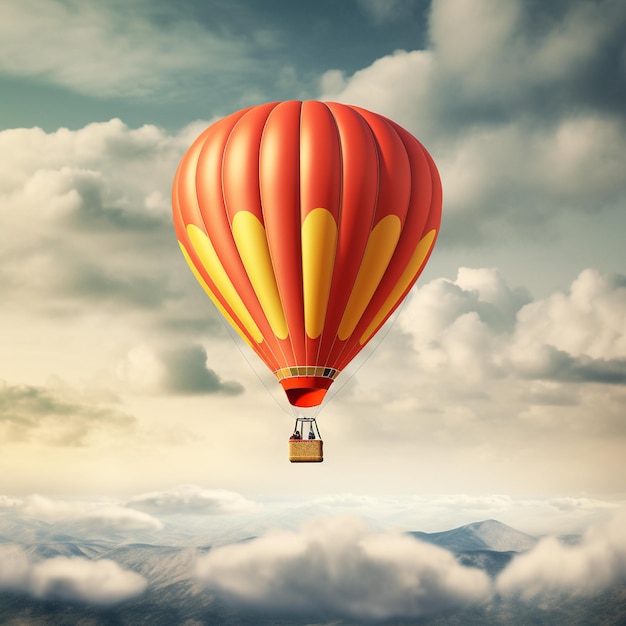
[492, 103]
[487, 381]
[94, 582]
[495, 170]
[105, 49]
[588, 320]
[553, 568]
[119, 518]
[470, 51]
[91, 516]
[142, 370]
[338, 565]
[102, 582]
[79, 200]
[7, 502]
[477, 326]
[181, 370]
[101, 167]
[97, 246]
[192, 500]
[503, 55]
[14, 567]
[462, 325]
[398, 85]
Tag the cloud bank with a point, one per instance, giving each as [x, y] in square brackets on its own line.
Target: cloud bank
[89, 516]
[140, 513]
[497, 370]
[477, 319]
[555, 569]
[76, 579]
[493, 104]
[192, 500]
[96, 247]
[339, 566]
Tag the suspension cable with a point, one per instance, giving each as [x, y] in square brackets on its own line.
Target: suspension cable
[390, 324]
[232, 333]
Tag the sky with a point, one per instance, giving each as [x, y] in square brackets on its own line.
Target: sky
[500, 388]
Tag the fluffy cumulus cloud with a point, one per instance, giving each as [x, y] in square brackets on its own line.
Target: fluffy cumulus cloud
[76, 579]
[192, 500]
[397, 85]
[178, 370]
[587, 321]
[477, 326]
[522, 46]
[96, 247]
[492, 102]
[92, 210]
[88, 516]
[508, 173]
[339, 566]
[553, 569]
[497, 369]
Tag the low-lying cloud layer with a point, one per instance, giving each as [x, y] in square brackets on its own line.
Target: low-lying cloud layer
[192, 500]
[554, 569]
[343, 562]
[88, 516]
[338, 566]
[139, 513]
[75, 579]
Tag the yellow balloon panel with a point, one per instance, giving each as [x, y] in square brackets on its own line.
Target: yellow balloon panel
[380, 247]
[208, 257]
[319, 244]
[414, 266]
[251, 242]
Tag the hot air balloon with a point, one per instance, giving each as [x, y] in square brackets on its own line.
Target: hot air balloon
[306, 223]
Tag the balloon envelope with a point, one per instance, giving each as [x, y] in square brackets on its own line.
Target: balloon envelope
[307, 223]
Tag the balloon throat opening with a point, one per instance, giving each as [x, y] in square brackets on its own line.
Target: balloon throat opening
[306, 391]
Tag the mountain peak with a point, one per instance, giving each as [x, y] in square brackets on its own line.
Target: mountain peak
[486, 535]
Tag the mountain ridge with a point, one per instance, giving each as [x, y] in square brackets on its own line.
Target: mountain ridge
[488, 534]
[174, 596]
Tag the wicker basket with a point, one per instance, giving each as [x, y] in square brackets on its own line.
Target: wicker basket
[306, 450]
